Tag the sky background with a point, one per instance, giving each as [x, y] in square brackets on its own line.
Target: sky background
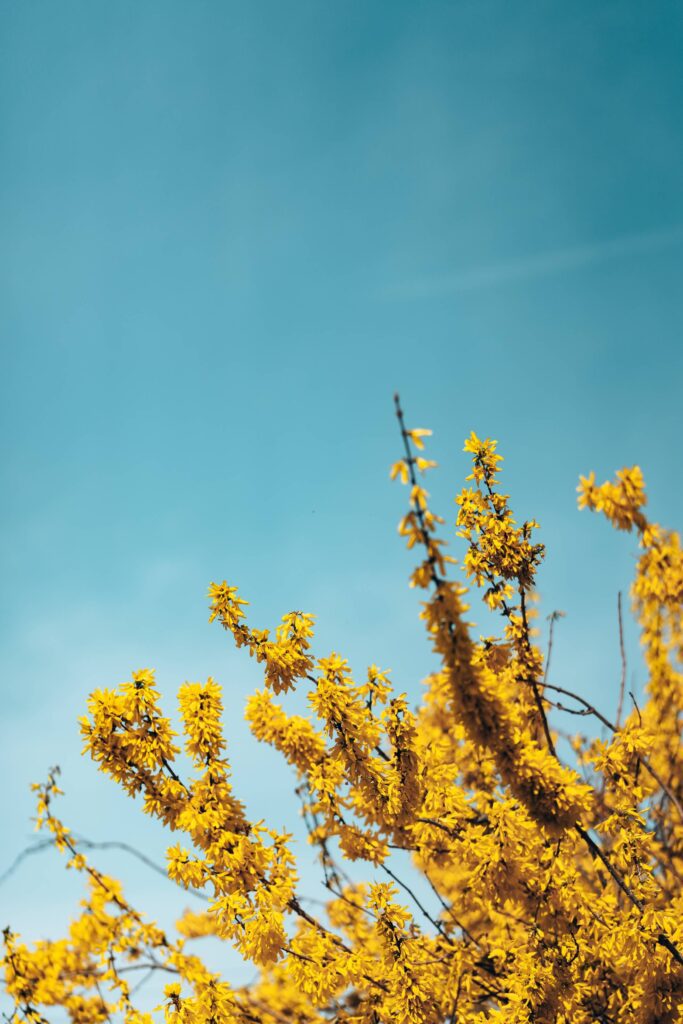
[230, 232]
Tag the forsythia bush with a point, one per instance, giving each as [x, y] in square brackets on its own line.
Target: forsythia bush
[554, 888]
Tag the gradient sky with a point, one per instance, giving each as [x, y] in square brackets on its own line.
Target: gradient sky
[230, 232]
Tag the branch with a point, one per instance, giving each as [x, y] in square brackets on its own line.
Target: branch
[622, 681]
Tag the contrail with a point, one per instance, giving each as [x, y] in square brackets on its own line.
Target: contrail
[553, 261]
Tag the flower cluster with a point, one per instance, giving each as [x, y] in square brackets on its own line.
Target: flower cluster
[541, 888]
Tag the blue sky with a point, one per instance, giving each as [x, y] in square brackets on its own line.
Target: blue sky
[231, 231]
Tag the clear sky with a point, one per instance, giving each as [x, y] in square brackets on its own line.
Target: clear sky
[230, 232]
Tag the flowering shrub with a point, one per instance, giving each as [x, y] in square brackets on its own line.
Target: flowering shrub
[555, 887]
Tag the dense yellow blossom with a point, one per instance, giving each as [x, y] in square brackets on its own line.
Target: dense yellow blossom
[542, 890]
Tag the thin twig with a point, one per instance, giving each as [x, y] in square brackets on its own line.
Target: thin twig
[89, 844]
[433, 921]
[552, 619]
[622, 682]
